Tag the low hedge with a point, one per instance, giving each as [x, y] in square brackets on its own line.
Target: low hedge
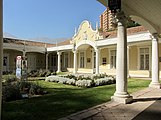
[83, 81]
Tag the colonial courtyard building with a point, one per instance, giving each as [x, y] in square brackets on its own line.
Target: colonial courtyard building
[87, 52]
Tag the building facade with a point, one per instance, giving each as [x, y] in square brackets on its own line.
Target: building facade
[86, 52]
[90, 53]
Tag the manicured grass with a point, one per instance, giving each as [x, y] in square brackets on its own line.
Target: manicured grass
[62, 100]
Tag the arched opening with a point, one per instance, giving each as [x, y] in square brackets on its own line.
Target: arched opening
[9, 60]
[86, 58]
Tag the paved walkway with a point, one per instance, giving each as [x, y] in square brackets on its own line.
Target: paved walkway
[145, 106]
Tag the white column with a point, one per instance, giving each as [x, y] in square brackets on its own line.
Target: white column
[47, 61]
[121, 95]
[59, 61]
[1, 52]
[155, 62]
[92, 60]
[97, 61]
[150, 61]
[128, 74]
[75, 62]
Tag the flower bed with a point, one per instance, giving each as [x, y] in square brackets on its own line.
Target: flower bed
[83, 80]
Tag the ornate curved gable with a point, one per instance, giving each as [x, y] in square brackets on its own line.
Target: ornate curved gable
[85, 32]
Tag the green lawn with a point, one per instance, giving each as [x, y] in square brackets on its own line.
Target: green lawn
[62, 100]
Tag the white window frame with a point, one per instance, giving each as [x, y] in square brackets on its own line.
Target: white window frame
[102, 62]
[84, 59]
[110, 57]
[139, 64]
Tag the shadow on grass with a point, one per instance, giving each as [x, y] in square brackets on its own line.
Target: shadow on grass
[58, 103]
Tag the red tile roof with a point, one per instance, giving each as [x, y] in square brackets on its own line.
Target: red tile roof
[27, 43]
[130, 31]
[110, 34]
[66, 42]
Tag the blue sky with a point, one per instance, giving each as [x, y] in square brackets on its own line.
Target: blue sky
[48, 18]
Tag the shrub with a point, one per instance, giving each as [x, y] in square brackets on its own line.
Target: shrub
[35, 90]
[80, 77]
[70, 76]
[71, 82]
[63, 80]
[105, 81]
[32, 73]
[11, 92]
[15, 90]
[84, 83]
[52, 79]
[30, 88]
[24, 86]
[39, 73]
[7, 72]
[48, 73]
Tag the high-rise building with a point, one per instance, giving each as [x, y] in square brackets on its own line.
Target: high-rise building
[107, 23]
[106, 20]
